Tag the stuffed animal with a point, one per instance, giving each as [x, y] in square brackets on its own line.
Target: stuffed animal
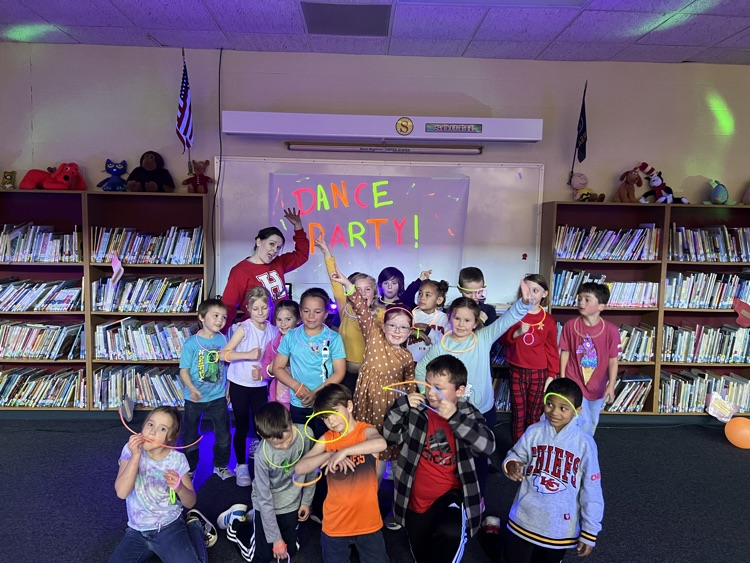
[659, 189]
[9, 180]
[198, 182]
[580, 182]
[151, 175]
[115, 182]
[628, 181]
[67, 176]
[719, 195]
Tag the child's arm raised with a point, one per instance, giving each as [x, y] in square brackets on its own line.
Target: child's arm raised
[125, 480]
[373, 444]
[228, 354]
[510, 317]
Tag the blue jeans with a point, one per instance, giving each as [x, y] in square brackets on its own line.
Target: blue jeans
[176, 543]
[371, 548]
[589, 417]
[217, 411]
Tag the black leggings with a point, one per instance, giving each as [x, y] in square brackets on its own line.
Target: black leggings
[518, 550]
[438, 535]
[245, 402]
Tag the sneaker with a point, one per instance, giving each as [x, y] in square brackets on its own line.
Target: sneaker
[243, 475]
[391, 524]
[234, 512]
[223, 472]
[254, 448]
[210, 535]
[492, 525]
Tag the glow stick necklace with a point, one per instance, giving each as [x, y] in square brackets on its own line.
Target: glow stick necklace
[539, 325]
[212, 356]
[431, 322]
[286, 465]
[310, 344]
[577, 323]
[453, 350]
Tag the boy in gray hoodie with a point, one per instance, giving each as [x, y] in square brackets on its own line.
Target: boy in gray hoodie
[560, 504]
[268, 532]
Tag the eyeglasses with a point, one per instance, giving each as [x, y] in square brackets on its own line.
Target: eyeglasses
[397, 328]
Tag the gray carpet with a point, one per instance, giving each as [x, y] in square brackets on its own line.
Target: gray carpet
[673, 494]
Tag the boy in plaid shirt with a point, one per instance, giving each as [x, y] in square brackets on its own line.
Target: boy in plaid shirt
[437, 494]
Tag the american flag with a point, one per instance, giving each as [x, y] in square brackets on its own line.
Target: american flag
[185, 112]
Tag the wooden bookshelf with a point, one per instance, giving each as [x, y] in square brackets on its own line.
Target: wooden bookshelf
[67, 211]
[616, 216]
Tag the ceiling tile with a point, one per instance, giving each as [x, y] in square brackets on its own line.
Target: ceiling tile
[167, 14]
[258, 16]
[95, 13]
[110, 36]
[406, 46]
[436, 22]
[690, 29]
[558, 51]
[13, 11]
[716, 55]
[190, 39]
[657, 53]
[656, 6]
[504, 50]
[37, 33]
[725, 8]
[348, 45]
[268, 42]
[612, 27]
[529, 24]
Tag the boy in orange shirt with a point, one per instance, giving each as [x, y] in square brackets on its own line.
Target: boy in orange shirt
[349, 457]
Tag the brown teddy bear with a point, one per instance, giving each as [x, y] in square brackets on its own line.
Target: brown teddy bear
[628, 181]
[580, 182]
[198, 182]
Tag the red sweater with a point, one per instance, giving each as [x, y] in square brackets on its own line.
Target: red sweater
[538, 350]
[247, 275]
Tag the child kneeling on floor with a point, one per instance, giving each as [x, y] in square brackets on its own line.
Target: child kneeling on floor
[435, 478]
[268, 532]
[560, 504]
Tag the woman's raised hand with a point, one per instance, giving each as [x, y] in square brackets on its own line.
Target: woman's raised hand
[293, 216]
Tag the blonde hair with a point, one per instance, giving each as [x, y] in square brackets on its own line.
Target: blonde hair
[255, 294]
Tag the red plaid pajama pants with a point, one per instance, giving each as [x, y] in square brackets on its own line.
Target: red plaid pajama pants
[527, 396]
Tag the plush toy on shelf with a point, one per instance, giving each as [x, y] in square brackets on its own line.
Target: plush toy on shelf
[719, 194]
[9, 180]
[151, 175]
[115, 182]
[198, 182]
[660, 191]
[67, 176]
[580, 183]
[628, 181]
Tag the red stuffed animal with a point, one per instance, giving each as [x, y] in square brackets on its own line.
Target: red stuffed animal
[198, 182]
[67, 176]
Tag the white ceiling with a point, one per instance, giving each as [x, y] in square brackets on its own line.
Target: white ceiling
[667, 31]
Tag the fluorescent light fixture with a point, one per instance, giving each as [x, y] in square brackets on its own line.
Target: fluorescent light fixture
[383, 149]
[501, 3]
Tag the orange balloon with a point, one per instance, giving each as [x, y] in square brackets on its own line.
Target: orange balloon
[737, 431]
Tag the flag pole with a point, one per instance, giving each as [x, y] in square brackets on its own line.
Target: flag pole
[190, 162]
[578, 137]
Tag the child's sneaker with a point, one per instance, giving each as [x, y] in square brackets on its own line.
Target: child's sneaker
[223, 472]
[234, 512]
[254, 448]
[243, 475]
[391, 524]
[210, 535]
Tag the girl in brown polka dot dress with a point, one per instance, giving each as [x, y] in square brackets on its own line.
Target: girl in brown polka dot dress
[386, 361]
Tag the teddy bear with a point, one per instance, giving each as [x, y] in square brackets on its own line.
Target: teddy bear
[115, 182]
[198, 182]
[580, 182]
[628, 181]
[9, 180]
[660, 191]
[150, 175]
[67, 176]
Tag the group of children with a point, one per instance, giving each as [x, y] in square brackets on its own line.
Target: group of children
[399, 383]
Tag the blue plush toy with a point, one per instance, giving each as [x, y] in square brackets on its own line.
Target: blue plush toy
[115, 183]
[719, 194]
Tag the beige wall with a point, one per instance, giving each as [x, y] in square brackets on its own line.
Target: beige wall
[89, 103]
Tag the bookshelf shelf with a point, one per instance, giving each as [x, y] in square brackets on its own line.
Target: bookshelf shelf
[84, 213]
[682, 231]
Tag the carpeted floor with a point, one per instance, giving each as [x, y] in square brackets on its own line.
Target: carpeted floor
[674, 494]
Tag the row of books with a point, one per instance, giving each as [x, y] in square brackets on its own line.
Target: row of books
[590, 243]
[502, 394]
[631, 392]
[696, 343]
[705, 290]
[176, 246]
[148, 386]
[147, 294]
[130, 339]
[41, 341]
[565, 284]
[709, 244]
[29, 295]
[689, 391]
[27, 242]
[637, 343]
[34, 387]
